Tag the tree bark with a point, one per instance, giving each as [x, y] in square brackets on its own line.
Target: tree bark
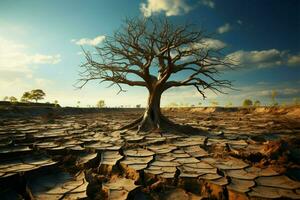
[152, 118]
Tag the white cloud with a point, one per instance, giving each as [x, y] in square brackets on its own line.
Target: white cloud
[14, 58]
[286, 92]
[281, 92]
[170, 7]
[208, 3]
[206, 44]
[41, 82]
[17, 68]
[12, 87]
[182, 95]
[260, 59]
[264, 58]
[16, 84]
[88, 41]
[213, 44]
[223, 29]
[294, 60]
[45, 59]
[290, 91]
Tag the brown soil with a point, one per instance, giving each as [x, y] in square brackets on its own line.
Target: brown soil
[238, 154]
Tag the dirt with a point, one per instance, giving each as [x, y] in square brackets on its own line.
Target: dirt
[239, 154]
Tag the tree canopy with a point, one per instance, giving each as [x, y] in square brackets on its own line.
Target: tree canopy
[13, 99]
[101, 104]
[26, 97]
[36, 95]
[144, 44]
[247, 103]
[148, 52]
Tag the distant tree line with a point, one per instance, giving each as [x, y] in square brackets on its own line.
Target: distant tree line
[33, 95]
[38, 94]
[249, 103]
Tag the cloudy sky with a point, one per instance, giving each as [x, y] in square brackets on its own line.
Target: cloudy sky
[40, 46]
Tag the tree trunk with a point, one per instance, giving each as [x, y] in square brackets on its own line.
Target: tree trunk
[152, 118]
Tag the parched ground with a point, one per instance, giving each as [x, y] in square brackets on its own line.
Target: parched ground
[240, 154]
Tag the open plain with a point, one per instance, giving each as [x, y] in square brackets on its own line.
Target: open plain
[239, 154]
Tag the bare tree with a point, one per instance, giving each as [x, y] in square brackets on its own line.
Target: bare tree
[145, 53]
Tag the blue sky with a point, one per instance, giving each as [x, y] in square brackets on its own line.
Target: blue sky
[40, 46]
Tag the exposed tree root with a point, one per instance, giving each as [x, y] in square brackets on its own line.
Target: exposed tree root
[163, 124]
[133, 125]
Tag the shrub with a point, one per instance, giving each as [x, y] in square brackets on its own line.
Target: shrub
[101, 104]
[229, 104]
[247, 103]
[56, 104]
[172, 104]
[13, 99]
[214, 103]
[257, 103]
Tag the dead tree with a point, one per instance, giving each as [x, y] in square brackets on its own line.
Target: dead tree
[145, 53]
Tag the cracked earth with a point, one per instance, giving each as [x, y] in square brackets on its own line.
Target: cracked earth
[241, 154]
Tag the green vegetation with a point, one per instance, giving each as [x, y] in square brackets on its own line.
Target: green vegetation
[13, 99]
[229, 104]
[257, 103]
[56, 103]
[26, 97]
[247, 103]
[35, 95]
[101, 104]
[214, 103]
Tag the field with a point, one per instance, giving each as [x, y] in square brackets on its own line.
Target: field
[61, 153]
